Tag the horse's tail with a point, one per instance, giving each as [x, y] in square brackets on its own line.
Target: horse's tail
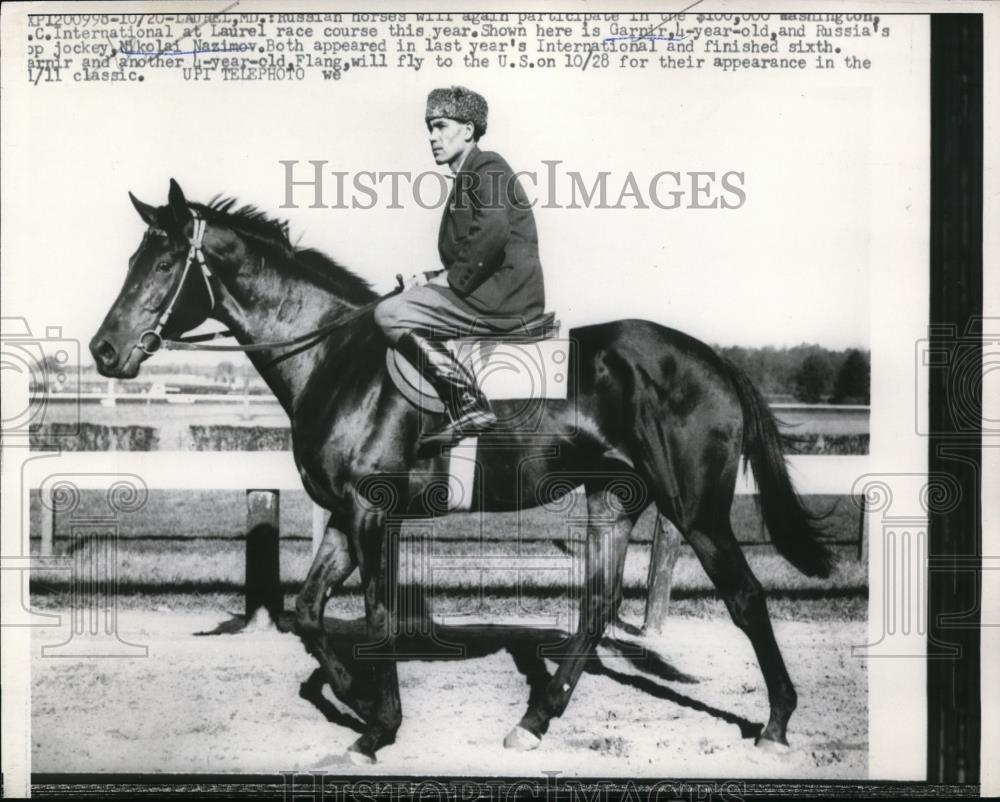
[794, 530]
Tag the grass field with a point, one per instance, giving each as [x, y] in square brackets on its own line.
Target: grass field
[195, 541]
[214, 514]
[537, 567]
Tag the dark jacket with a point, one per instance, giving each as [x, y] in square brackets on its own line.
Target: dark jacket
[488, 242]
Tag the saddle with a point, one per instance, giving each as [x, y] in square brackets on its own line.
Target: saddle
[527, 362]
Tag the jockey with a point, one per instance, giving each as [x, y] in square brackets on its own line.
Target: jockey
[492, 277]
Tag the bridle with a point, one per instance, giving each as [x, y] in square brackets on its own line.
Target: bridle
[194, 254]
[196, 342]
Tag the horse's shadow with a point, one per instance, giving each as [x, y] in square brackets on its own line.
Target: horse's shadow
[423, 639]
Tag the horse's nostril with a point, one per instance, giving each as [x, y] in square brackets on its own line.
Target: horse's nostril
[105, 353]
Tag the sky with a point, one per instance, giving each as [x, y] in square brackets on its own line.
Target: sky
[792, 264]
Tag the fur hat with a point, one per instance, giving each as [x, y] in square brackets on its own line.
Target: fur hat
[458, 103]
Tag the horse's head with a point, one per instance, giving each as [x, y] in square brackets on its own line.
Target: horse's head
[165, 292]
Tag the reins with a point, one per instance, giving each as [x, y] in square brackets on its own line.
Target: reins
[193, 342]
[196, 342]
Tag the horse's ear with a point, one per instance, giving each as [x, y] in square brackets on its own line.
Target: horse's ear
[178, 204]
[146, 212]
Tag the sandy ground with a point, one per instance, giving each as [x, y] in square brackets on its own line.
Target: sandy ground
[230, 703]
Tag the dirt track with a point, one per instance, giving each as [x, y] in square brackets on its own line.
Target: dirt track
[231, 704]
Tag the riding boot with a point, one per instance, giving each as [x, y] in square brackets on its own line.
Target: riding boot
[468, 409]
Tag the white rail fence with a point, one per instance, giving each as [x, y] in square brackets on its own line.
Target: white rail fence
[71, 472]
[126, 478]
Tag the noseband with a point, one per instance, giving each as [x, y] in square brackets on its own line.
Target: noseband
[195, 254]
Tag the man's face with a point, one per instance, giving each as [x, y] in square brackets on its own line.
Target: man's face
[449, 138]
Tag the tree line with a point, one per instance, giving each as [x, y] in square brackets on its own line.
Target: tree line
[807, 373]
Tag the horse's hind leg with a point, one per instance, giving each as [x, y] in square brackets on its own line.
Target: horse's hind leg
[607, 540]
[725, 564]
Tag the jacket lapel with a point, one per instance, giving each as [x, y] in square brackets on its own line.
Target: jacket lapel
[455, 222]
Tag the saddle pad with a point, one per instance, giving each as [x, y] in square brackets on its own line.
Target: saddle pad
[461, 474]
[503, 369]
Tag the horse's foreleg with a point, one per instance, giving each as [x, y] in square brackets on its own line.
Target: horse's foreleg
[333, 563]
[607, 540]
[379, 549]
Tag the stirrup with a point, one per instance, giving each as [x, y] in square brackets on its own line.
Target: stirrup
[472, 423]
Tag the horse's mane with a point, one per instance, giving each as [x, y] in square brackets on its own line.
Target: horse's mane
[271, 235]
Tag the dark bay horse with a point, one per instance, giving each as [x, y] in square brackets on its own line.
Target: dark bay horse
[652, 416]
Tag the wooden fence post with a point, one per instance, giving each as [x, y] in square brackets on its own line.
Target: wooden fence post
[263, 572]
[663, 555]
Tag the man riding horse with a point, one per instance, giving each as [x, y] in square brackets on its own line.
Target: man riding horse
[651, 416]
[492, 276]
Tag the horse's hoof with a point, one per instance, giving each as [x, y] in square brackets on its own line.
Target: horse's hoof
[650, 633]
[359, 758]
[522, 740]
[773, 747]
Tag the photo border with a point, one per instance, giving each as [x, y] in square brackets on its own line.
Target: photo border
[956, 306]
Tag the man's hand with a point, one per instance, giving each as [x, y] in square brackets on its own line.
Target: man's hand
[439, 277]
[414, 281]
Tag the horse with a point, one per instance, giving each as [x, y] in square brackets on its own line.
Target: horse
[651, 416]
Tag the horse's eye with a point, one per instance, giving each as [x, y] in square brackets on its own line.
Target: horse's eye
[163, 267]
